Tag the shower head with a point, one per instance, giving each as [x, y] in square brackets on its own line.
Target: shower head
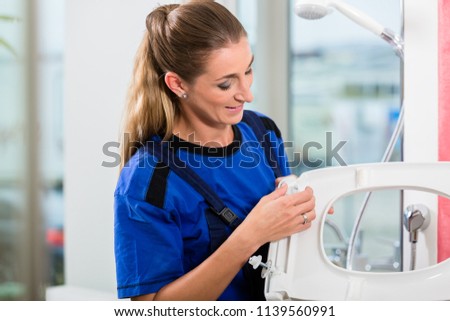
[311, 11]
[317, 9]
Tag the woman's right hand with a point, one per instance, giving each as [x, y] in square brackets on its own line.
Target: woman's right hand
[278, 215]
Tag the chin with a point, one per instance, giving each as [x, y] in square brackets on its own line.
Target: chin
[235, 119]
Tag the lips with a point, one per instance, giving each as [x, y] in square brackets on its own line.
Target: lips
[235, 108]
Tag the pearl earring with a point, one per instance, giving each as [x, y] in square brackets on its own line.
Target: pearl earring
[184, 96]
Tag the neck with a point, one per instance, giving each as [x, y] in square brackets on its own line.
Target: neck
[203, 134]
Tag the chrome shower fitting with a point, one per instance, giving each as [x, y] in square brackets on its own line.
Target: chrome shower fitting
[415, 217]
[317, 9]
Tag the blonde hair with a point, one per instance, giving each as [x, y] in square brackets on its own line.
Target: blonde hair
[179, 38]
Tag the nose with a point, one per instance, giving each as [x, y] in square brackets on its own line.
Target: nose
[244, 94]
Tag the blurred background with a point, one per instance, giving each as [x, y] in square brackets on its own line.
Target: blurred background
[31, 146]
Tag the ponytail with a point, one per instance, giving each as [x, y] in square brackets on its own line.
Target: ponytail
[149, 109]
[179, 38]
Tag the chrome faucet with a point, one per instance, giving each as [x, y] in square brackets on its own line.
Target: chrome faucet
[416, 217]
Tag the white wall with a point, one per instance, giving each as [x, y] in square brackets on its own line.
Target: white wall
[101, 39]
[271, 64]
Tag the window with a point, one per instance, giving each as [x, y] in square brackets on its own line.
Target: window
[345, 94]
[31, 170]
[344, 100]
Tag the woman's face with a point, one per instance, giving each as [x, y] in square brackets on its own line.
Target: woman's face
[216, 98]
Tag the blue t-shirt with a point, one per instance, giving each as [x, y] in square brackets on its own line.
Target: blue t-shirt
[160, 229]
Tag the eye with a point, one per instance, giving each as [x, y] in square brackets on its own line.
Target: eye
[249, 71]
[224, 86]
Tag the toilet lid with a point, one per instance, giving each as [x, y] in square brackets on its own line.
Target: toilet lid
[300, 267]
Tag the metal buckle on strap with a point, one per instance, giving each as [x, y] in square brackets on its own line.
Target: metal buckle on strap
[228, 216]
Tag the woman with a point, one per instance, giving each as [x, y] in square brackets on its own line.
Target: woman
[191, 80]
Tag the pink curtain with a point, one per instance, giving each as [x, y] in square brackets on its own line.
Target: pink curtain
[444, 123]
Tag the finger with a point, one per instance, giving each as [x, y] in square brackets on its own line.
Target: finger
[305, 220]
[300, 197]
[307, 206]
[307, 188]
[331, 210]
[307, 217]
[277, 193]
[296, 213]
[279, 179]
[302, 227]
[310, 216]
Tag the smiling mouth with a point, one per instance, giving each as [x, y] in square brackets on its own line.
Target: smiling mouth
[234, 108]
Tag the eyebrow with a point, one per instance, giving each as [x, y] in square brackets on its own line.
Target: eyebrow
[235, 75]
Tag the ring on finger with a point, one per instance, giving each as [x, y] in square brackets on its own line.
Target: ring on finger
[305, 219]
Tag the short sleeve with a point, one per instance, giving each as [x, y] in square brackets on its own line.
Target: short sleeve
[148, 247]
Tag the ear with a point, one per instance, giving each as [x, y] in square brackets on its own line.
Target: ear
[175, 83]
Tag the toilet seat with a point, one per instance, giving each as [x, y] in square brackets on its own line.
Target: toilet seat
[300, 267]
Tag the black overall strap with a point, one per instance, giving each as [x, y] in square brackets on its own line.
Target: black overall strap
[255, 122]
[253, 276]
[169, 157]
[218, 213]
